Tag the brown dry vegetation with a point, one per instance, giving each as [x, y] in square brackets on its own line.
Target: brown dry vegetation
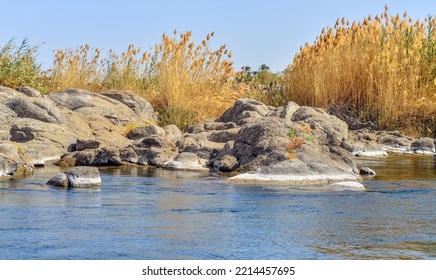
[381, 70]
[185, 82]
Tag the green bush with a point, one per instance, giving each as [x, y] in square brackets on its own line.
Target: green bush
[18, 66]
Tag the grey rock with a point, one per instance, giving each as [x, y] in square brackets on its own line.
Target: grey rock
[173, 133]
[13, 162]
[194, 129]
[289, 111]
[186, 161]
[145, 131]
[140, 106]
[34, 108]
[236, 114]
[31, 92]
[88, 103]
[187, 157]
[7, 93]
[85, 144]
[106, 156]
[423, 146]
[77, 177]
[156, 141]
[366, 171]
[154, 156]
[297, 172]
[200, 145]
[83, 177]
[128, 154]
[223, 136]
[264, 141]
[226, 163]
[218, 126]
[6, 114]
[59, 180]
[328, 129]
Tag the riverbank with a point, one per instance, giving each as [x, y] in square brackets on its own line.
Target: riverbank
[254, 142]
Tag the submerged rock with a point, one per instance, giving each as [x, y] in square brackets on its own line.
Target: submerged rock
[346, 186]
[366, 171]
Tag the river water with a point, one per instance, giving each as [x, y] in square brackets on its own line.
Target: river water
[142, 213]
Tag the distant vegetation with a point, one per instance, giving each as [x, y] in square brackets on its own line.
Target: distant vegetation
[382, 70]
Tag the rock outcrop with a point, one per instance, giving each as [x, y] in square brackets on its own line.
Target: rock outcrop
[371, 143]
[73, 120]
[288, 144]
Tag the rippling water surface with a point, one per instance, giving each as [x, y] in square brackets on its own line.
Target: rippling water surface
[144, 213]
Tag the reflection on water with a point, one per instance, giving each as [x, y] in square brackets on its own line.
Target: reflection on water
[398, 167]
[142, 213]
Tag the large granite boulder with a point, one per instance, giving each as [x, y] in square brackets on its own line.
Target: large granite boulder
[109, 105]
[306, 151]
[288, 144]
[72, 120]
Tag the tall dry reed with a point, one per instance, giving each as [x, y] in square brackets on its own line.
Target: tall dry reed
[185, 82]
[382, 69]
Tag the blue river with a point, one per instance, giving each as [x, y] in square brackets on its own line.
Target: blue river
[145, 213]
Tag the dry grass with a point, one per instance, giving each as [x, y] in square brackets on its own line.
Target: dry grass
[381, 70]
[185, 82]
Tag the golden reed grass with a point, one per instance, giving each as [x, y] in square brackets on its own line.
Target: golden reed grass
[382, 69]
[185, 82]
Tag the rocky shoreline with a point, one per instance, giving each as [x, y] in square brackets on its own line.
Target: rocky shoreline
[252, 142]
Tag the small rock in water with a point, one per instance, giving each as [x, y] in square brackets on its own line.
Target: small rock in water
[59, 180]
[77, 177]
[366, 171]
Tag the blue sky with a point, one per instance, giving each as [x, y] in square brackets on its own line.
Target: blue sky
[256, 32]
